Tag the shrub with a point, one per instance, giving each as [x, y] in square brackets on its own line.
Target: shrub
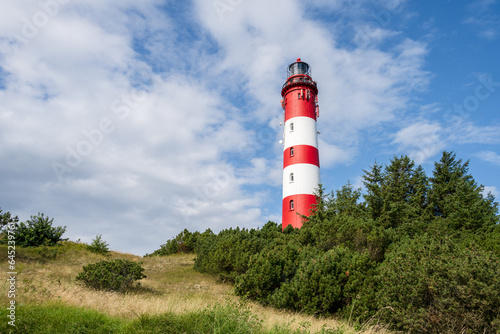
[358, 234]
[438, 286]
[38, 231]
[98, 245]
[228, 253]
[116, 275]
[270, 268]
[184, 242]
[325, 283]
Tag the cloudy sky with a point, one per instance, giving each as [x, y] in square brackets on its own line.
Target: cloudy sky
[137, 119]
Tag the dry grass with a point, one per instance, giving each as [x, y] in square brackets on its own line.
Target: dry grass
[172, 285]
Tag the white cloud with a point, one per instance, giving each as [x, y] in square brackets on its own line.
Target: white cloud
[489, 156]
[332, 155]
[469, 133]
[420, 141]
[158, 169]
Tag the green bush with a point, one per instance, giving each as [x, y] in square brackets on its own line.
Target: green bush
[358, 234]
[271, 268]
[435, 285]
[38, 231]
[325, 283]
[184, 242]
[98, 245]
[116, 275]
[228, 253]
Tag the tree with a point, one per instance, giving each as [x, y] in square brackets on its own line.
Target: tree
[346, 201]
[445, 178]
[372, 180]
[6, 219]
[38, 231]
[397, 196]
[98, 245]
[457, 198]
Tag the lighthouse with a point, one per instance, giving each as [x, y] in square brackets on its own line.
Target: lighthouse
[300, 140]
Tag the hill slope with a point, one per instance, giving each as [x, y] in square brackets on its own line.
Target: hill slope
[173, 290]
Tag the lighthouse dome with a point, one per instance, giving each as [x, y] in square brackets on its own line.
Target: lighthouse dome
[299, 67]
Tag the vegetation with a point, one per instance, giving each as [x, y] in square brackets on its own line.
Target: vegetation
[37, 231]
[418, 253]
[98, 245]
[174, 298]
[184, 242]
[55, 318]
[6, 219]
[115, 275]
[437, 285]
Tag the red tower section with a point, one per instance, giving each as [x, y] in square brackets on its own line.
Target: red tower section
[301, 175]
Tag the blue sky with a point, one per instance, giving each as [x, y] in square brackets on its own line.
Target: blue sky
[136, 120]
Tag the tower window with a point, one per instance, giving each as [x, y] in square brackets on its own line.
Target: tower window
[291, 127]
[291, 177]
[291, 151]
[291, 205]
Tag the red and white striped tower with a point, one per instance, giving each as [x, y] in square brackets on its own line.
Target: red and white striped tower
[300, 138]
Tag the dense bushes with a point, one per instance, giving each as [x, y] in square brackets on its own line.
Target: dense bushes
[228, 254]
[184, 242]
[269, 269]
[324, 283]
[116, 275]
[418, 253]
[435, 284]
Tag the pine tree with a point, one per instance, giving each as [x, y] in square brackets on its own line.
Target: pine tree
[346, 201]
[403, 191]
[456, 197]
[372, 180]
[445, 178]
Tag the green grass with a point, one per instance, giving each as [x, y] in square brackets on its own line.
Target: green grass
[59, 318]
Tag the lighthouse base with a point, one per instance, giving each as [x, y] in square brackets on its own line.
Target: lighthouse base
[292, 211]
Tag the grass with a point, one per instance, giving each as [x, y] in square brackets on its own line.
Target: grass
[174, 298]
[59, 318]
